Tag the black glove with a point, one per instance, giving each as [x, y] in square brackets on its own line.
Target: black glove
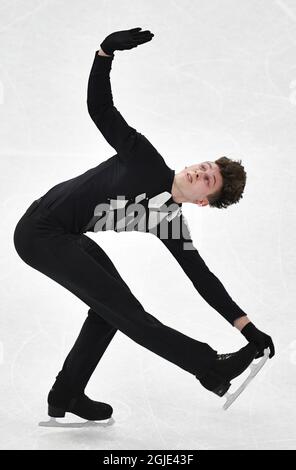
[127, 39]
[260, 339]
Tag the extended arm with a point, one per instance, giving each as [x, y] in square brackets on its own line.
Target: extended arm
[204, 281]
[212, 290]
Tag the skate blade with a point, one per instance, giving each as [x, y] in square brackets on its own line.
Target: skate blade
[231, 397]
[53, 423]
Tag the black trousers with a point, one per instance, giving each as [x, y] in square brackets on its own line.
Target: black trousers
[76, 262]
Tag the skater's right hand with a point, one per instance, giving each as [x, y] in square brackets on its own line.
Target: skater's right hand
[127, 39]
[260, 339]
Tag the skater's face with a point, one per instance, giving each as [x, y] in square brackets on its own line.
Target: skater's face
[196, 182]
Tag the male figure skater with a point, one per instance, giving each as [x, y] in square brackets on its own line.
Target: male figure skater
[130, 191]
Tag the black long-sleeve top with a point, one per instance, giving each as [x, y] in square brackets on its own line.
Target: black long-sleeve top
[109, 196]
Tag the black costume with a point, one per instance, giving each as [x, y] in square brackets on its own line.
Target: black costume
[50, 237]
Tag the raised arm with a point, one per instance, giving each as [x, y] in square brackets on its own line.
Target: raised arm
[106, 117]
[101, 108]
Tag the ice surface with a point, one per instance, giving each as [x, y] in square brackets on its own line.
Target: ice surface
[218, 78]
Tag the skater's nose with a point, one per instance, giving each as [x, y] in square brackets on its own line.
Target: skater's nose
[199, 174]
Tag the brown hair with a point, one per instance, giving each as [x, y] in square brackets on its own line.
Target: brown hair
[234, 181]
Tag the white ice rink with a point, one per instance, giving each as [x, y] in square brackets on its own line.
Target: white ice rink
[218, 78]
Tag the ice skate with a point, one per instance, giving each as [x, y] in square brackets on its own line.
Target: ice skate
[82, 406]
[61, 400]
[226, 367]
[231, 397]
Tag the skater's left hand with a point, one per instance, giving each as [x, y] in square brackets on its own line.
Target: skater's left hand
[126, 39]
[260, 339]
